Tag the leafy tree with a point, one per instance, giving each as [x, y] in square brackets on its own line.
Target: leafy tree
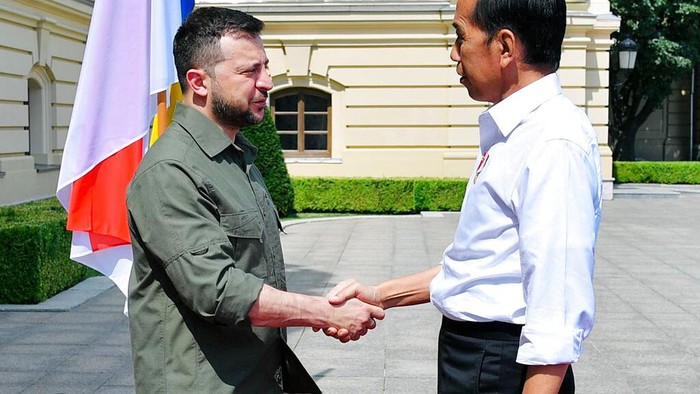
[667, 32]
[271, 163]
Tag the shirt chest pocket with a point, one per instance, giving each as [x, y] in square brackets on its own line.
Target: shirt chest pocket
[245, 232]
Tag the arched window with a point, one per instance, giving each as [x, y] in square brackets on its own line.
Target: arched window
[39, 107]
[302, 118]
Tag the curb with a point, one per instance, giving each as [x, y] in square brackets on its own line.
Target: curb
[67, 299]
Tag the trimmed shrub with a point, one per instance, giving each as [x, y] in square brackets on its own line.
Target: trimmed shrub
[34, 253]
[377, 195]
[439, 194]
[270, 162]
[666, 172]
[343, 195]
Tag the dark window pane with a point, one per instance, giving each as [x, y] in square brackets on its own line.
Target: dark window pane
[289, 141]
[315, 122]
[286, 122]
[315, 103]
[316, 142]
[287, 103]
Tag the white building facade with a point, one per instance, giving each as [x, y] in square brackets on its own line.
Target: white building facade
[41, 49]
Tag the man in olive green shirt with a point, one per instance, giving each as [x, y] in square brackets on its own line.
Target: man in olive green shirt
[207, 295]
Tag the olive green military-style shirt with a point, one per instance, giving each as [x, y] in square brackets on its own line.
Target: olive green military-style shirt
[205, 237]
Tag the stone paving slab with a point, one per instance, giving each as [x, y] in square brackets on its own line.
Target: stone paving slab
[647, 289]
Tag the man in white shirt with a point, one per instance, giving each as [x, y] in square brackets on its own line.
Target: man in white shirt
[516, 285]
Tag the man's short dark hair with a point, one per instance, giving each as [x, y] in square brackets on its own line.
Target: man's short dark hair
[197, 41]
[539, 24]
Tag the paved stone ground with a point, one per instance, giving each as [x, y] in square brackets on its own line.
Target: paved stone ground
[648, 299]
[644, 341]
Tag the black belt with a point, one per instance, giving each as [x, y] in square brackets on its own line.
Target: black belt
[483, 330]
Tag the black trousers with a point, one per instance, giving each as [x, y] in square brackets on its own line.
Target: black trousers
[479, 358]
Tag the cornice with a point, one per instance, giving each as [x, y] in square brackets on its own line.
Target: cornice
[70, 18]
[332, 7]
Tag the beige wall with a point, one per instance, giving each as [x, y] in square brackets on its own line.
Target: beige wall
[41, 48]
[398, 109]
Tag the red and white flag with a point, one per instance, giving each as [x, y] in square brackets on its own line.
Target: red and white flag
[127, 61]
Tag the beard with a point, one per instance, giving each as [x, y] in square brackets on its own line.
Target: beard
[226, 113]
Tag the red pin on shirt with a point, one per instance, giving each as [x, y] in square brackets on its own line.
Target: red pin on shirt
[481, 165]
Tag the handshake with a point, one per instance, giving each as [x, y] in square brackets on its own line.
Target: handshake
[357, 305]
[350, 309]
[356, 308]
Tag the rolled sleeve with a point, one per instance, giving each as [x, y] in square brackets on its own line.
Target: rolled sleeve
[211, 286]
[558, 210]
[549, 345]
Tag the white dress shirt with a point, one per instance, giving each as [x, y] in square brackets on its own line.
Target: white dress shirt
[523, 251]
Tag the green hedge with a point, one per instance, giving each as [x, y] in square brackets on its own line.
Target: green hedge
[439, 194]
[667, 172]
[34, 253]
[377, 195]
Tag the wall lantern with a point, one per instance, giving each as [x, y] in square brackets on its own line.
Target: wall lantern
[627, 50]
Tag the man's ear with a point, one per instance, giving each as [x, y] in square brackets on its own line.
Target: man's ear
[198, 81]
[507, 43]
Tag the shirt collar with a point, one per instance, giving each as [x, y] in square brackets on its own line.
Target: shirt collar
[510, 112]
[210, 138]
[246, 147]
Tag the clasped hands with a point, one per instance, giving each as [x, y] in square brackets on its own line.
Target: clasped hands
[360, 304]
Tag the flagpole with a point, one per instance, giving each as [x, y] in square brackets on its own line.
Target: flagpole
[162, 112]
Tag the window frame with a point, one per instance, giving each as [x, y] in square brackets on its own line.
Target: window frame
[301, 152]
[40, 119]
